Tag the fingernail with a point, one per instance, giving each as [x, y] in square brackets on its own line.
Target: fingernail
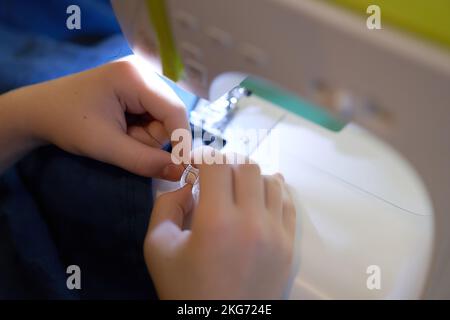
[172, 172]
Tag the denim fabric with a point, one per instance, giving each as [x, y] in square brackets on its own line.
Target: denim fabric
[59, 210]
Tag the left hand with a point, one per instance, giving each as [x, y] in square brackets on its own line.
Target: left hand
[86, 114]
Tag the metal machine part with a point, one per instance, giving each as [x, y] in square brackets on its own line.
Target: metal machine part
[215, 116]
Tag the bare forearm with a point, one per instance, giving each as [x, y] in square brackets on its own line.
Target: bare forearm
[16, 134]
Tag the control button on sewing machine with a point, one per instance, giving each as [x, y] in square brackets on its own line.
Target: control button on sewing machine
[253, 55]
[219, 37]
[196, 71]
[186, 20]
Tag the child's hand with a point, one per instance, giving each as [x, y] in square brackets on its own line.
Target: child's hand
[88, 114]
[241, 241]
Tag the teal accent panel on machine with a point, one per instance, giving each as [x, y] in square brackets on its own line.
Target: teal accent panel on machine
[294, 104]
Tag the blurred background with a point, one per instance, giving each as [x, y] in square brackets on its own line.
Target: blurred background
[36, 45]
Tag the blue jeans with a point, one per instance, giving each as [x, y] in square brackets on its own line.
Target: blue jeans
[57, 210]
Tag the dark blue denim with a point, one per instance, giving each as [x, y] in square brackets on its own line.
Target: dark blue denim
[57, 210]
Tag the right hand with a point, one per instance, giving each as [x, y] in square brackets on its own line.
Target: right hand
[241, 242]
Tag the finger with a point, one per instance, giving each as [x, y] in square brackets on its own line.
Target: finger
[237, 159]
[156, 130]
[248, 186]
[289, 211]
[171, 172]
[206, 155]
[168, 215]
[216, 179]
[140, 134]
[274, 195]
[172, 206]
[165, 107]
[152, 95]
[279, 176]
[152, 134]
[140, 159]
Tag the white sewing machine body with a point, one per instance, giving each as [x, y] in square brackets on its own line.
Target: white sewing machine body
[373, 193]
[353, 196]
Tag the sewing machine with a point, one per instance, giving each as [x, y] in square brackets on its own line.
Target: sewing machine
[368, 167]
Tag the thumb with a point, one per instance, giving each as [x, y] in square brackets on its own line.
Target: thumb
[167, 217]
